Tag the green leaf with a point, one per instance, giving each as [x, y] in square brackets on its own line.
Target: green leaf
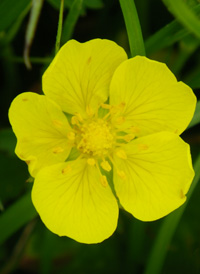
[1, 206]
[13, 30]
[16, 216]
[196, 117]
[56, 3]
[7, 141]
[168, 35]
[13, 176]
[94, 4]
[167, 230]
[184, 14]
[193, 79]
[10, 10]
[133, 27]
[71, 19]
[187, 46]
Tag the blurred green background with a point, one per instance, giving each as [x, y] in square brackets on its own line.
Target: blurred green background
[171, 35]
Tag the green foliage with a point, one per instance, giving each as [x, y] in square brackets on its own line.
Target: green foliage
[168, 229]
[71, 20]
[185, 15]
[196, 118]
[16, 216]
[7, 141]
[133, 27]
[170, 245]
[12, 9]
[92, 4]
[169, 34]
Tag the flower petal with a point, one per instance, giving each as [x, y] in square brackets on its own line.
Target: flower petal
[79, 76]
[41, 130]
[72, 202]
[158, 173]
[154, 100]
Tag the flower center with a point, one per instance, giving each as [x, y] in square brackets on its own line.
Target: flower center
[95, 138]
[99, 140]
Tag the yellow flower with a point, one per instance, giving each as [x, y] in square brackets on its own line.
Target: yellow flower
[106, 127]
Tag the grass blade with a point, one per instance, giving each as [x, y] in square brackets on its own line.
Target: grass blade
[168, 35]
[30, 32]
[133, 27]
[184, 14]
[71, 19]
[60, 22]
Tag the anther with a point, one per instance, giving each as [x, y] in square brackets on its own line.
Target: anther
[142, 147]
[71, 136]
[135, 129]
[129, 137]
[67, 169]
[114, 110]
[89, 111]
[57, 150]
[106, 106]
[104, 181]
[122, 105]
[91, 161]
[120, 120]
[57, 123]
[106, 166]
[75, 120]
[121, 174]
[121, 154]
[182, 194]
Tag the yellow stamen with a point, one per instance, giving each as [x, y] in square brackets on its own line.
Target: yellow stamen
[57, 150]
[122, 105]
[129, 137]
[120, 120]
[67, 169]
[114, 109]
[75, 120]
[135, 129]
[121, 154]
[182, 194]
[104, 181]
[71, 136]
[89, 111]
[106, 106]
[106, 166]
[96, 138]
[103, 178]
[121, 174]
[107, 115]
[142, 147]
[89, 60]
[57, 123]
[79, 117]
[91, 161]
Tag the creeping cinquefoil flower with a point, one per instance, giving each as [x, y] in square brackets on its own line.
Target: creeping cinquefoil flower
[106, 130]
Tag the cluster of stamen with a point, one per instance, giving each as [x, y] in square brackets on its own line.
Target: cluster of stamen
[99, 139]
[96, 138]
